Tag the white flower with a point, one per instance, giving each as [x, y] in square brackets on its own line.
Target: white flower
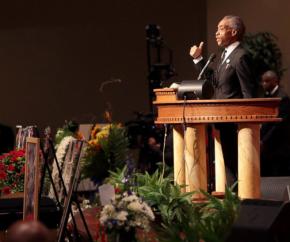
[86, 204]
[130, 198]
[103, 219]
[148, 211]
[135, 206]
[126, 212]
[60, 155]
[109, 209]
[122, 216]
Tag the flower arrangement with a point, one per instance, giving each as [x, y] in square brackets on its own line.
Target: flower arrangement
[107, 150]
[70, 128]
[98, 133]
[177, 218]
[12, 167]
[127, 212]
[64, 136]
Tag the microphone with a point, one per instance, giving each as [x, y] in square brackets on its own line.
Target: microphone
[210, 59]
[107, 82]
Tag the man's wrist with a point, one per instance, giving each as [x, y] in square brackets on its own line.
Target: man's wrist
[197, 59]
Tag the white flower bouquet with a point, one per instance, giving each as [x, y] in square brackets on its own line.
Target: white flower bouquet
[126, 212]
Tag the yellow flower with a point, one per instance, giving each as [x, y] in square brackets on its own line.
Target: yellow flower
[102, 134]
[95, 130]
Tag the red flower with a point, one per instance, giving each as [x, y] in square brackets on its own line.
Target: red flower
[117, 190]
[22, 170]
[3, 175]
[12, 171]
[13, 158]
[21, 153]
[11, 167]
[6, 190]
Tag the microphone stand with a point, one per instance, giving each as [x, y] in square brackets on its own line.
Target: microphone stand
[210, 59]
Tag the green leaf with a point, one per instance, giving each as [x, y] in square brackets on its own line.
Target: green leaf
[265, 52]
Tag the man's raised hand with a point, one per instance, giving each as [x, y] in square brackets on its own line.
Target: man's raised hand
[196, 51]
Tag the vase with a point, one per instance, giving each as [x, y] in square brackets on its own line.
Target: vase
[121, 235]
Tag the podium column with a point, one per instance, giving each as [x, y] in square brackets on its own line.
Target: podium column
[220, 171]
[195, 159]
[178, 156]
[249, 160]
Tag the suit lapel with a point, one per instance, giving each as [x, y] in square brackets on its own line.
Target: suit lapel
[222, 67]
[228, 61]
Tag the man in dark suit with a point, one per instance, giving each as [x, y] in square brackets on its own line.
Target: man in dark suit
[275, 137]
[234, 77]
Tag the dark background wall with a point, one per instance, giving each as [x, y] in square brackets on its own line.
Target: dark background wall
[55, 55]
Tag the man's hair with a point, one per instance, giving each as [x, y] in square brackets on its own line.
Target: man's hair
[272, 74]
[237, 23]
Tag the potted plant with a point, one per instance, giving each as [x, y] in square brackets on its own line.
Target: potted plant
[265, 52]
[177, 218]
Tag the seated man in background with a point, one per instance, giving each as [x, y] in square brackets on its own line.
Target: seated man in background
[275, 137]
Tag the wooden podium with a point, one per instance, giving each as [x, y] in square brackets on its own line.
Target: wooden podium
[190, 147]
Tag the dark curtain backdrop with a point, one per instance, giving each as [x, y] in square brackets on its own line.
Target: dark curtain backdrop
[54, 55]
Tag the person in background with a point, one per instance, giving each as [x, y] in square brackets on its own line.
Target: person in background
[29, 231]
[234, 77]
[275, 137]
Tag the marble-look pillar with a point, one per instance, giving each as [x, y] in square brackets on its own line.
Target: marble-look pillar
[195, 159]
[249, 160]
[178, 156]
[220, 171]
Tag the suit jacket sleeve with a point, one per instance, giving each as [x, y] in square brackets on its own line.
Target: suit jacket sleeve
[280, 129]
[246, 76]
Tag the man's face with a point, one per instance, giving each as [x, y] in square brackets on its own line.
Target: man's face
[225, 35]
[268, 83]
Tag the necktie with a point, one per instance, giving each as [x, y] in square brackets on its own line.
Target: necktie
[222, 59]
[223, 56]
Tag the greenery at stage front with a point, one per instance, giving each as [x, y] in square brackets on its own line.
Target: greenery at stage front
[178, 218]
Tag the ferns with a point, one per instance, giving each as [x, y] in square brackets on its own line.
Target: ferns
[183, 220]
